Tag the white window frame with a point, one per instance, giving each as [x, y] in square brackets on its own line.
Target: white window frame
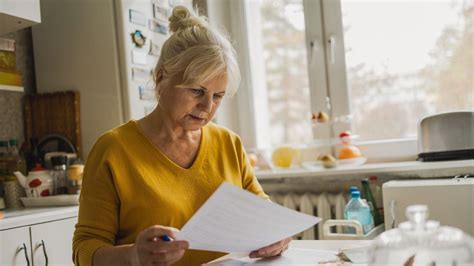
[326, 70]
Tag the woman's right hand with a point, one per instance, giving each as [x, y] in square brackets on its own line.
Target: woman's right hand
[149, 249]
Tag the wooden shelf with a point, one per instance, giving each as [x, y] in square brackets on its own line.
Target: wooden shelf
[11, 88]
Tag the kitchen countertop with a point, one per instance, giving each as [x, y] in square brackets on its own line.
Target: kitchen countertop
[29, 216]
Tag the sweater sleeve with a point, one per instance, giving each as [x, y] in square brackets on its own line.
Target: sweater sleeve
[249, 180]
[98, 206]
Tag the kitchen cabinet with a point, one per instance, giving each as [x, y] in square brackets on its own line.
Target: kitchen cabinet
[15, 15]
[37, 239]
[15, 246]
[46, 242]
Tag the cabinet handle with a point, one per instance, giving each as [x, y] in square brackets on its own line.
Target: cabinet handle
[44, 252]
[25, 252]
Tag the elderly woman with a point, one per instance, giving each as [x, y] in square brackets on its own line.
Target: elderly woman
[148, 177]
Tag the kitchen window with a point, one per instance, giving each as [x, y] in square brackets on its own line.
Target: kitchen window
[376, 67]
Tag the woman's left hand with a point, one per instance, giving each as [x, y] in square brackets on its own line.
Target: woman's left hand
[274, 249]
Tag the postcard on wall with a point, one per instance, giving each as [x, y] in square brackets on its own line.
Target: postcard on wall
[137, 17]
[159, 27]
[161, 12]
[139, 58]
[141, 74]
[147, 93]
[154, 49]
[187, 3]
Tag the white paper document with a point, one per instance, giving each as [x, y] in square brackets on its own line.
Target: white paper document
[293, 256]
[235, 220]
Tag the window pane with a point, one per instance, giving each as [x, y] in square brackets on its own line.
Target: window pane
[406, 60]
[282, 37]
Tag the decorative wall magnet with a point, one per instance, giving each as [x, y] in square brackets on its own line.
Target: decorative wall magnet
[138, 38]
[157, 26]
[137, 17]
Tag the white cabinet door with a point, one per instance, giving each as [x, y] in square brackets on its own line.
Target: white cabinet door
[15, 247]
[52, 241]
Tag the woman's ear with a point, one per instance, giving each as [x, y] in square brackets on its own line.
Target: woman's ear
[159, 75]
[159, 79]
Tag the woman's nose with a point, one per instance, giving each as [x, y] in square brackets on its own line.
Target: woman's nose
[206, 104]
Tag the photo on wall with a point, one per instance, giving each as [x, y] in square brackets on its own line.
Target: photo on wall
[159, 27]
[147, 92]
[137, 17]
[154, 49]
[161, 12]
[141, 74]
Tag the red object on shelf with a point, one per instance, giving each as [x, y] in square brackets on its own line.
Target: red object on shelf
[345, 134]
[38, 167]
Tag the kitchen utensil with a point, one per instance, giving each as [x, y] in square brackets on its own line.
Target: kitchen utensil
[38, 183]
[446, 136]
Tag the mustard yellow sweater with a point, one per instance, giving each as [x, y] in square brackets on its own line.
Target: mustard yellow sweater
[129, 185]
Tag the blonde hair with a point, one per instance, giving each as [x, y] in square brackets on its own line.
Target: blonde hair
[195, 53]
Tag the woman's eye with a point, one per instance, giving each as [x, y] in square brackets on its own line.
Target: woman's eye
[217, 96]
[196, 91]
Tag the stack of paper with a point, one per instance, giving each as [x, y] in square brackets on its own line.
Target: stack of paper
[235, 220]
[293, 256]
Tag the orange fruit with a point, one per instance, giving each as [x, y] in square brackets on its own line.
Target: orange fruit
[349, 152]
[253, 159]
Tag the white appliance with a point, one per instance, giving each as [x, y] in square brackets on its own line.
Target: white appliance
[87, 46]
[450, 201]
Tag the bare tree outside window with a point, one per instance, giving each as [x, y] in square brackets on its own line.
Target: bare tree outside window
[404, 60]
[407, 60]
[284, 52]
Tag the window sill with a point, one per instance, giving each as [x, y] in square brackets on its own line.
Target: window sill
[395, 169]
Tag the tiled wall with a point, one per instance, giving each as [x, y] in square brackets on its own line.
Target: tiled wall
[11, 113]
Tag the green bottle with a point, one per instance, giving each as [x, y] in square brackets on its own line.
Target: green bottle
[371, 201]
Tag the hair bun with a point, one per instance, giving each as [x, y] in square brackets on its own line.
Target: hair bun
[182, 18]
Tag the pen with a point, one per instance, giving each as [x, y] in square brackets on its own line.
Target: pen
[165, 238]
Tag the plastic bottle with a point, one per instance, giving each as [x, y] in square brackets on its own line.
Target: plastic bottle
[377, 193]
[346, 229]
[356, 209]
[355, 188]
[371, 202]
[352, 188]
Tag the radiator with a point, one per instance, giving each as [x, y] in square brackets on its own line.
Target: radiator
[326, 206]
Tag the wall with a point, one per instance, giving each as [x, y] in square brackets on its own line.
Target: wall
[11, 108]
[219, 15]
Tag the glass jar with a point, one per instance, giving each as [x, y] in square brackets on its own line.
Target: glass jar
[59, 174]
[421, 242]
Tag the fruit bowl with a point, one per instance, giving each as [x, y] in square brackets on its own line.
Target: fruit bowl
[352, 162]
